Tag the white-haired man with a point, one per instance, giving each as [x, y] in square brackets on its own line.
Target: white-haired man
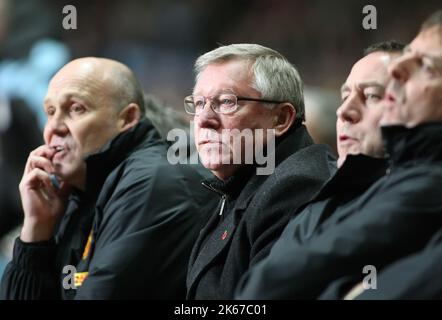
[249, 90]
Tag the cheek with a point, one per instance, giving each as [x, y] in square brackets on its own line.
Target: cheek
[196, 130]
[373, 120]
[431, 104]
[256, 118]
[371, 133]
[251, 123]
[232, 123]
[46, 135]
[373, 144]
[89, 138]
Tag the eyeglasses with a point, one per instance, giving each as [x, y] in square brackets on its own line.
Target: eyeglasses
[225, 103]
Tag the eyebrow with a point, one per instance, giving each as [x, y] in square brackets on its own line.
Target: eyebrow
[436, 59]
[363, 85]
[218, 92]
[67, 97]
[370, 84]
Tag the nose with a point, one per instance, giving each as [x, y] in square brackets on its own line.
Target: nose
[401, 67]
[207, 118]
[350, 110]
[56, 126]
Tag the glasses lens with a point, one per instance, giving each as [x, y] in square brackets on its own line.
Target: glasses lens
[226, 103]
[189, 106]
[198, 102]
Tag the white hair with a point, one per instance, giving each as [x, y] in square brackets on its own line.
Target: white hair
[273, 75]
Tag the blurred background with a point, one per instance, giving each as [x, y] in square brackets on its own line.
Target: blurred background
[160, 41]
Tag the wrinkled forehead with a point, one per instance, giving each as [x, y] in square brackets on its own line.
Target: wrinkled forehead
[373, 68]
[217, 77]
[83, 81]
[428, 42]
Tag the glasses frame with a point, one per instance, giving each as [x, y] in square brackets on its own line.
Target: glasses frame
[189, 99]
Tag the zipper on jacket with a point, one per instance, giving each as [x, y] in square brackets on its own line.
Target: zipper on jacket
[223, 202]
[222, 194]
[390, 164]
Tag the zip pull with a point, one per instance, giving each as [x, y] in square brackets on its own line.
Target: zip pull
[223, 196]
[223, 202]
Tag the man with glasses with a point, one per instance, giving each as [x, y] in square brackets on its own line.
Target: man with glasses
[251, 92]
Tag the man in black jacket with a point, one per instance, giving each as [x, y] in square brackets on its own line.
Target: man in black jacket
[253, 91]
[395, 217]
[106, 216]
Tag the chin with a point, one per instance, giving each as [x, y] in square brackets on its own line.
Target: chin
[213, 158]
[211, 165]
[66, 172]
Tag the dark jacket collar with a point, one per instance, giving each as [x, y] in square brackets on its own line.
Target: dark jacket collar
[100, 164]
[295, 139]
[357, 173]
[419, 144]
[232, 186]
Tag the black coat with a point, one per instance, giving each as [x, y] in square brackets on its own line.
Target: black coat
[417, 276]
[143, 215]
[256, 209]
[395, 217]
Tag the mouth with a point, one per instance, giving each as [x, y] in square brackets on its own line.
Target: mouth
[58, 148]
[344, 137]
[208, 142]
[60, 152]
[347, 141]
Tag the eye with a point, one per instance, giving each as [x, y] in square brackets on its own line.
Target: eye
[50, 111]
[198, 102]
[373, 97]
[344, 97]
[428, 65]
[226, 100]
[373, 94]
[77, 109]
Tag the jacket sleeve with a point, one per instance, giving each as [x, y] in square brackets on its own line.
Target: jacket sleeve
[144, 239]
[399, 218]
[270, 215]
[417, 276]
[30, 274]
[295, 181]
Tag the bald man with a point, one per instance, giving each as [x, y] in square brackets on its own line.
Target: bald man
[96, 224]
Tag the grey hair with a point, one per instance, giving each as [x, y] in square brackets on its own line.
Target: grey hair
[273, 75]
[434, 20]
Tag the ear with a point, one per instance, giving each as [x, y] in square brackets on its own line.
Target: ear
[284, 115]
[129, 117]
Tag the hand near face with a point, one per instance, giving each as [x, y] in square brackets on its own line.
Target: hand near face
[42, 203]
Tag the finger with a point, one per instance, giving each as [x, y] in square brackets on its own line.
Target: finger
[43, 151]
[39, 180]
[41, 163]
